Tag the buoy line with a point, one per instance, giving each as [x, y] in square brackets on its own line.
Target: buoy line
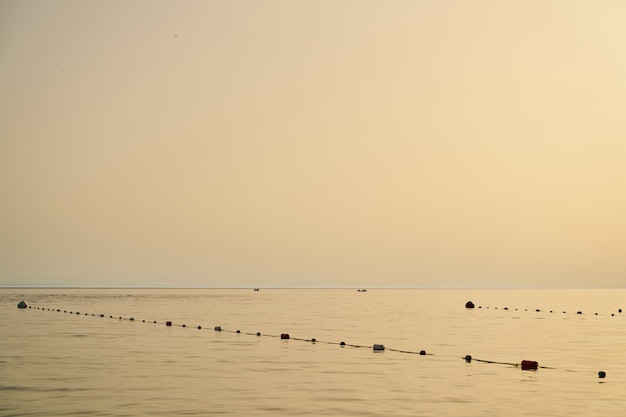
[470, 305]
[525, 365]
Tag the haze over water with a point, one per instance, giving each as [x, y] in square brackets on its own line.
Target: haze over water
[313, 143]
[62, 363]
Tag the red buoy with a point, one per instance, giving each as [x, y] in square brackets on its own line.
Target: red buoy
[284, 335]
[529, 365]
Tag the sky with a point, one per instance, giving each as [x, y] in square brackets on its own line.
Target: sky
[343, 143]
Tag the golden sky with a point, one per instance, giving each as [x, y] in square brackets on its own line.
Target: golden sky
[350, 143]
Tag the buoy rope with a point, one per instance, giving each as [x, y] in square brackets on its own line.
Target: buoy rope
[540, 310]
[376, 347]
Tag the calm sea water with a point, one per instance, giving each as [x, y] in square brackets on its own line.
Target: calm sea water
[54, 363]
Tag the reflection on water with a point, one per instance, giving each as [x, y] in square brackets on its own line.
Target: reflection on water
[58, 364]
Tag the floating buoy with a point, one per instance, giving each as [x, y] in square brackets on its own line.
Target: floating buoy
[238, 331]
[529, 365]
[184, 325]
[342, 343]
[101, 315]
[377, 347]
[258, 333]
[601, 374]
[284, 336]
[218, 328]
[579, 312]
[131, 318]
[619, 311]
[313, 340]
[422, 352]
[199, 327]
[469, 304]
[22, 304]
[468, 358]
[168, 323]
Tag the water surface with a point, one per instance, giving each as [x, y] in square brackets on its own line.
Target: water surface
[59, 364]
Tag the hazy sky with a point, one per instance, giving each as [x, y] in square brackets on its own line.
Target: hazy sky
[313, 143]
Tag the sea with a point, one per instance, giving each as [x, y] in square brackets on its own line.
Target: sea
[312, 352]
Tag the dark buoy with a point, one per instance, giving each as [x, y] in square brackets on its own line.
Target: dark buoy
[422, 352]
[579, 312]
[218, 328]
[284, 335]
[258, 333]
[342, 343]
[238, 331]
[601, 374]
[313, 340]
[469, 304]
[184, 325]
[529, 365]
[101, 315]
[168, 323]
[378, 347]
[22, 304]
[468, 358]
[619, 311]
[131, 318]
[199, 327]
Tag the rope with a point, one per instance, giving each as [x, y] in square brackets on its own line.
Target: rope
[376, 347]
